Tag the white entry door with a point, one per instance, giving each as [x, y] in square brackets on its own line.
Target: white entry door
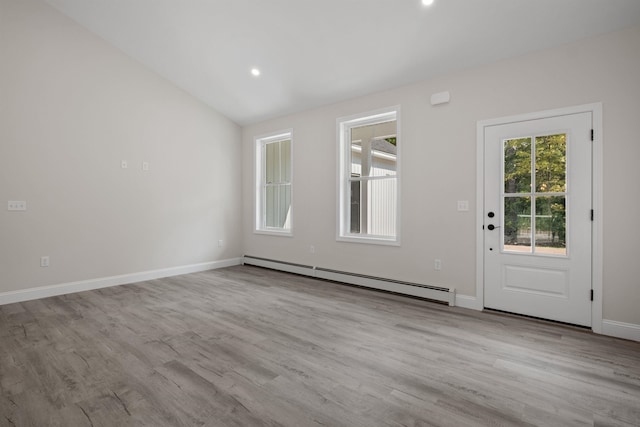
[538, 218]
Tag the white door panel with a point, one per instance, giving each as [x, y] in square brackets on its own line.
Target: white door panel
[537, 228]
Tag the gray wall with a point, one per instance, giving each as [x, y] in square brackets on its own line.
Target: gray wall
[439, 167]
[71, 108]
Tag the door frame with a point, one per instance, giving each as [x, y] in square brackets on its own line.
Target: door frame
[596, 188]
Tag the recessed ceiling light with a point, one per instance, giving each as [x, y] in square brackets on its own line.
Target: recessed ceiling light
[255, 72]
[427, 2]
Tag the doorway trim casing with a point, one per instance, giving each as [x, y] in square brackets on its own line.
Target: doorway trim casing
[596, 199]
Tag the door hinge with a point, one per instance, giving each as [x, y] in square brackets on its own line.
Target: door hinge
[592, 134]
[592, 214]
[591, 294]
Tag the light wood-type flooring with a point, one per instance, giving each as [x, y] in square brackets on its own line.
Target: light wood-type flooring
[245, 346]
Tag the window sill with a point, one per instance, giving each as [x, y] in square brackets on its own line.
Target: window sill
[280, 233]
[369, 240]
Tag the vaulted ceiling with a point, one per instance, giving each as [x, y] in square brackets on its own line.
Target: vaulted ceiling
[312, 53]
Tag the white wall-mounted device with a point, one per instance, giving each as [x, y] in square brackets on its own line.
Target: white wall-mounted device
[440, 98]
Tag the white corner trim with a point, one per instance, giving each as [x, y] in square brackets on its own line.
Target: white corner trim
[104, 282]
[466, 301]
[628, 331]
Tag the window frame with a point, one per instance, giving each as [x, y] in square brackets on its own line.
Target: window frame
[260, 143]
[343, 124]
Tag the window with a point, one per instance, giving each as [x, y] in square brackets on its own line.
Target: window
[369, 174]
[273, 183]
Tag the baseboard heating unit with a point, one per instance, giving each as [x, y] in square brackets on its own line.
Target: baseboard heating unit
[447, 295]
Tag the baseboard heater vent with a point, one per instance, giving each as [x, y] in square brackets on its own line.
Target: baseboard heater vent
[447, 295]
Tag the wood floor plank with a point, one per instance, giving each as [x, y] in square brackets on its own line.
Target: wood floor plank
[245, 346]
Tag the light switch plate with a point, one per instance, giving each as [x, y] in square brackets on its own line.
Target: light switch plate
[16, 205]
[463, 205]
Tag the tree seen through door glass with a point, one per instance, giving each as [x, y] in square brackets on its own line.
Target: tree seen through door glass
[551, 163]
[551, 217]
[517, 165]
[517, 224]
[542, 192]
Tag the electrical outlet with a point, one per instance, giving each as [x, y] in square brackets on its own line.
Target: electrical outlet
[145, 166]
[312, 249]
[124, 164]
[437, 265]
[44, 261]
[220, 243]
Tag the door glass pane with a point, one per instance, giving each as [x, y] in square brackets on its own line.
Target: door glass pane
[517, 224]
[517, 165]
[551, 225]
[551, 163]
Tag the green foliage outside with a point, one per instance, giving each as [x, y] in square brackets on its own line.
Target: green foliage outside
[550, 177]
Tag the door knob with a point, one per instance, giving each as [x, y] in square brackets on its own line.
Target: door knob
[492, 227]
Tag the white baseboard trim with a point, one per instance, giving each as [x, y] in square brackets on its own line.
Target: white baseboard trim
[104, 282]
[628, 331]
[466, 301]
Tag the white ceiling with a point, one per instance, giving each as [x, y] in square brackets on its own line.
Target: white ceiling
[314, 53]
